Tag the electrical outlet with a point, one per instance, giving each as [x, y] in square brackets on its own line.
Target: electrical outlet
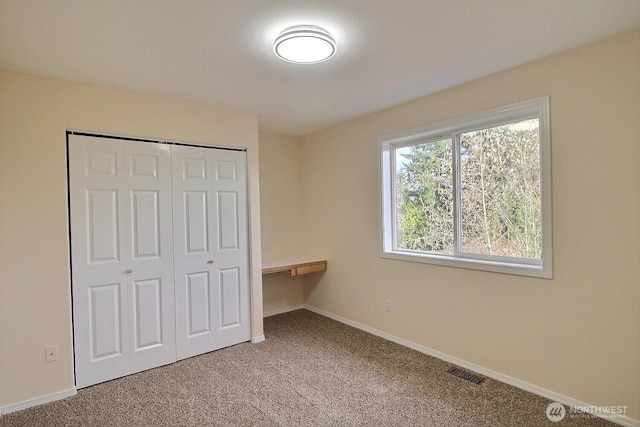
[283, 228]
[387, 305]
[50, 353]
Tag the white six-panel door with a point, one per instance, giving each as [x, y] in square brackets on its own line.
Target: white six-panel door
[122, 261]
[127, 298]
[210, 247]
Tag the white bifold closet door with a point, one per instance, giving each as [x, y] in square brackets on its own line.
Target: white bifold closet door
[122, 257]
[211, 256]
[159, 268]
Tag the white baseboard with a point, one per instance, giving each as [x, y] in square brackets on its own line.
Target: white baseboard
[572, 403]
[37, 401]
[283, 310]
[256, 340]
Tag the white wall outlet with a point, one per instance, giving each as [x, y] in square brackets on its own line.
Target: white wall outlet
[387, 305]
[50, 353]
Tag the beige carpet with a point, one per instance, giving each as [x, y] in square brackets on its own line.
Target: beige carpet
[310, 371]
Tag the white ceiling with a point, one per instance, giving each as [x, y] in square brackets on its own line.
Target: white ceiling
[219, 52]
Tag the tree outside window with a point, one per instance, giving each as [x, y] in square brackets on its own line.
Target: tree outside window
[472, 192]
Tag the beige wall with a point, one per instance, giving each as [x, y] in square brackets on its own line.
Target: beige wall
[577, 335]
[281, 206]
[35, 293]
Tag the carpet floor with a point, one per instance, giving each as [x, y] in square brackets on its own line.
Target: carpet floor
[310, 371]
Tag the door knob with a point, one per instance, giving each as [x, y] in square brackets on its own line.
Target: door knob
[129, 271]
[210, 261]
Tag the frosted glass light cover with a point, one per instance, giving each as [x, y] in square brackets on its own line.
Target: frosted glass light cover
[304, 45]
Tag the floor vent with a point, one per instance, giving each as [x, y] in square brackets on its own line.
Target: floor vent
[466, 375]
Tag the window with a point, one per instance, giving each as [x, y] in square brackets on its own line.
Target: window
[472, 192]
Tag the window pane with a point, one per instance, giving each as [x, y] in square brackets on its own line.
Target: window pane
[424, 197]
[500, 190]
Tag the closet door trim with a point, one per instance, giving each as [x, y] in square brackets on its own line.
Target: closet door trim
[152, 140]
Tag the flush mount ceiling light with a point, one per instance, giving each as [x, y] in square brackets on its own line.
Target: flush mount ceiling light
[304, 44]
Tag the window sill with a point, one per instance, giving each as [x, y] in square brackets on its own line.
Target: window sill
[519, 269]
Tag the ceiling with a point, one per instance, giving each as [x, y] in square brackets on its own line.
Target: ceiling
[219, 52]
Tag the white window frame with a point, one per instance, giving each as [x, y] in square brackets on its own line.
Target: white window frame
[535, 108]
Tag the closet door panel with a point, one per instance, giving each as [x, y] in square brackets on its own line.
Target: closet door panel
[100, 299]
[147, 309]
[228, 216]
[122, 260]
[196, 222]
[102, 225]
[196, 289]
[230, 297]
[197, 304]
[211, 252]
[231, 247]
[150, 245]
[146, 224]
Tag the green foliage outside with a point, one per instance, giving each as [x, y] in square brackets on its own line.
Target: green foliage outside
[500, 201]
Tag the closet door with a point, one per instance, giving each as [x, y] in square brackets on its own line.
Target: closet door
[121, 249]
[211, 253]
[150, 242]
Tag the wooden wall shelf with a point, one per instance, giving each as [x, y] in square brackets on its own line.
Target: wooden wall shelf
[297, 269]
